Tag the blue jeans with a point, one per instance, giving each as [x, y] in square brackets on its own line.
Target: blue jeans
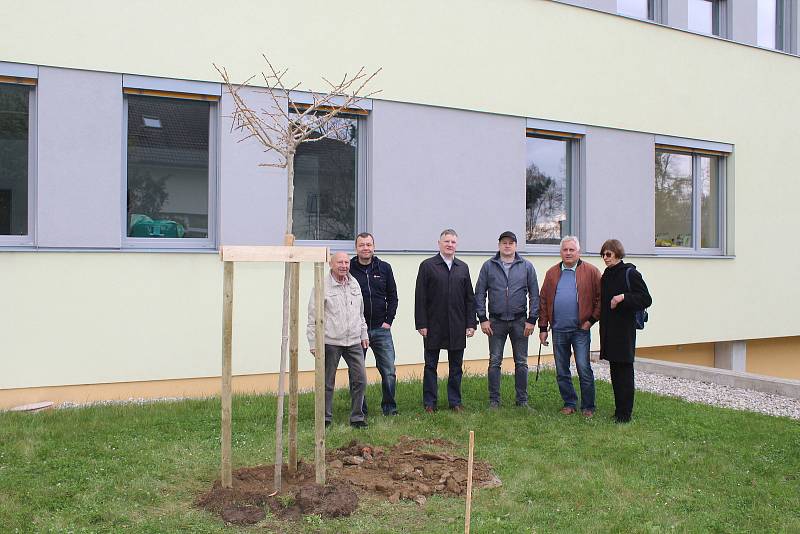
[514, 329]
[430, 386]
[380, 341]
[579, 341]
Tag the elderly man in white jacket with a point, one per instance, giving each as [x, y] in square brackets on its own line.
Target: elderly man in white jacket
[345, 336]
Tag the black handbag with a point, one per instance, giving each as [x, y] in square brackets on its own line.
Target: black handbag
[639, 316]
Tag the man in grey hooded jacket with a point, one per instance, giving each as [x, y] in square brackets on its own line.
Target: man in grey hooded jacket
[513, 290]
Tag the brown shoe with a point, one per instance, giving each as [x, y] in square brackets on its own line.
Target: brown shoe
[588, 414]
[429, 409]
[457, 408]
[567, 410]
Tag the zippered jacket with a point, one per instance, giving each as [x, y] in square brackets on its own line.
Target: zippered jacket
[587, 281]
[344, 314]
[379, 290]
[510, 297]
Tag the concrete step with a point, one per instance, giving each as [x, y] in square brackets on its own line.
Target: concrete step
[737, 379]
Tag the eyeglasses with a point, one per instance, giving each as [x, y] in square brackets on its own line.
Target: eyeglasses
[608, 254]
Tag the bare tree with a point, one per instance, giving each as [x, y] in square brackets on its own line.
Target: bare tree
[280, 129]
[545, 203]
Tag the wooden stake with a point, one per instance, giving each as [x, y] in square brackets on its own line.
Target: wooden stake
[294, 338]
[469, 481]
[227, 343]
[287, 275]
[319, 373]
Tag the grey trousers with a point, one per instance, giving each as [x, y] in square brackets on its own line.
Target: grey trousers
[354, 358]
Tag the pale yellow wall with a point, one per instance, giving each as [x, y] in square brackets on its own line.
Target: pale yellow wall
[89, 317]
[774, 357]
[694, 354]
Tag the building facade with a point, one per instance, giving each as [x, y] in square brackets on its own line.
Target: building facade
[120, 176]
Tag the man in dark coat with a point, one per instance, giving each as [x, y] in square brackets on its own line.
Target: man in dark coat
[444, 314]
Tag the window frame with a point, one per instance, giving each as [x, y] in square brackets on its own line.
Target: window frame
[575, 134]
[719, 18]
[723, 158]
[26, 77]
[361, 115]
[202, 243]
[786, 20]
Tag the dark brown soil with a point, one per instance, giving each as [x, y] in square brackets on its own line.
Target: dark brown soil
[412, 469]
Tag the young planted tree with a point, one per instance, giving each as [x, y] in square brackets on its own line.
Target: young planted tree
[281, 128]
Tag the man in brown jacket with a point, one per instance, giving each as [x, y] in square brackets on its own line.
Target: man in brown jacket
[569, 304]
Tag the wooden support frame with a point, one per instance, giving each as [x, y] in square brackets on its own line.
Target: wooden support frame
[292, 256]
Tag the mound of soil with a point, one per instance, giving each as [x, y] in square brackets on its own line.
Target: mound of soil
[412, 469]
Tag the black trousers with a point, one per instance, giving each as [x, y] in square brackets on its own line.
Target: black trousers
[430, 387]
[622, 382]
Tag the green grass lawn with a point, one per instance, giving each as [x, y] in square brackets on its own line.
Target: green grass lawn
[678, 466]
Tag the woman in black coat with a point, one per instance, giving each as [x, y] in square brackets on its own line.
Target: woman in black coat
[619, 300]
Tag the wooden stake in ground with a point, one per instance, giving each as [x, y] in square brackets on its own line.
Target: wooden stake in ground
[294, 339]
[469, 481]
[227, 343]
[319, 374]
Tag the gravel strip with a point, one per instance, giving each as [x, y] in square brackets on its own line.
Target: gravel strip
[132, 400]
[707, 393]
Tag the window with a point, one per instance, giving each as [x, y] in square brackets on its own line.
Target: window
[329, 176]
[169, 170]
[15, 161]
[642, 9]
[689, 198]
[708, 16]
[550, 178]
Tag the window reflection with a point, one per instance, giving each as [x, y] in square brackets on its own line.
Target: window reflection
[325, 183]
[167, 167]
[709, 202]
[14, 121]
[547, 178]
[673, 199]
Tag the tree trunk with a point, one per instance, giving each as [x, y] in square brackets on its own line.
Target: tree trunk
[319, 374]
[287, 274]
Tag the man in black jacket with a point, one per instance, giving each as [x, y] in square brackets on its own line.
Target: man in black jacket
[444, 314]
[380, 306]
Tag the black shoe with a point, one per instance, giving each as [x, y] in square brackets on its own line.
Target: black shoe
[359, 424]
[622, 420]
[493, 405]
[522, 404]
[327, 424]
[390, 414]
